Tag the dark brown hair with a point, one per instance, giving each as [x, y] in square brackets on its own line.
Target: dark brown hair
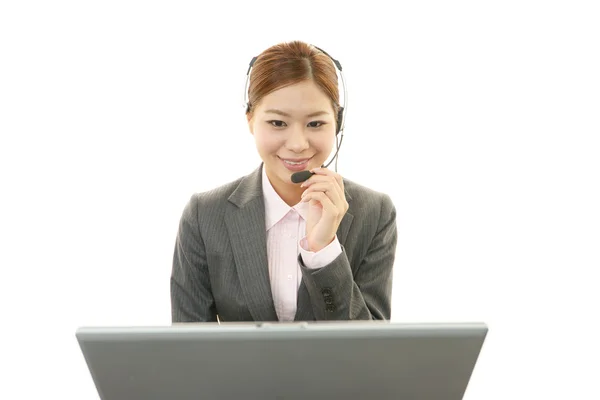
[287, 64]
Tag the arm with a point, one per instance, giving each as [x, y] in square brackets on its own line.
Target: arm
[338, 295]
[191, 296]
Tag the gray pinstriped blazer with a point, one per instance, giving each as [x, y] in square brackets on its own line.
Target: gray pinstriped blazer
[220, 264]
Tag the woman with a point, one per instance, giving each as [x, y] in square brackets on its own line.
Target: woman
[263, 248]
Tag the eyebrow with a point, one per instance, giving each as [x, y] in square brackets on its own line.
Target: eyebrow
[279, 112]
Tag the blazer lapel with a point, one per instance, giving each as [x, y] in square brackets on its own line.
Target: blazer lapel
[342, 231]
[246, 227]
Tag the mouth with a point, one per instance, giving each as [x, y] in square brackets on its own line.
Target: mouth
[295, 164]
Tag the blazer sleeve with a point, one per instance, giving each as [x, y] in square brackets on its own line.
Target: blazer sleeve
[338, 294]
[191, 295]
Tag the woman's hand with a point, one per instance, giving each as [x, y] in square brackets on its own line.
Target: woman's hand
[327, 206]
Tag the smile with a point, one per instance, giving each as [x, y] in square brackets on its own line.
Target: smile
[295, 164]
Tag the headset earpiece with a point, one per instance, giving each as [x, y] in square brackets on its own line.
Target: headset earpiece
[340, 118]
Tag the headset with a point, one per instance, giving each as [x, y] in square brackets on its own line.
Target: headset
[341, 117]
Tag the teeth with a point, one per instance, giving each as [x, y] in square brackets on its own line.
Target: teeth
[293, 162]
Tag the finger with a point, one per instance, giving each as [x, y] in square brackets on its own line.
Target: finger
[327, 172]
[325, 178]
[331, 189]
[328, 207]
[326, 184]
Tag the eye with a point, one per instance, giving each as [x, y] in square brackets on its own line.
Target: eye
[276, 123]
[316, 124]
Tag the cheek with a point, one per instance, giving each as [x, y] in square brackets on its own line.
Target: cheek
[266, 142]
[325, 142]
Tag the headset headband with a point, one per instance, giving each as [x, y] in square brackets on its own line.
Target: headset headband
[341, 112]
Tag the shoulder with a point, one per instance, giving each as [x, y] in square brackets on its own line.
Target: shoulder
[212, 201]
[216, 195]
[368, 203]
[374, 216]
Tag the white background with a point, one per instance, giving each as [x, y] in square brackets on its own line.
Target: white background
[479, 119]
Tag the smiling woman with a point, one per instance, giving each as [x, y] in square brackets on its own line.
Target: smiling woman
[294, 130]
[264, 248]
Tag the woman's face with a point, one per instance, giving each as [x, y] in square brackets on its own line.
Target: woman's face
[294, 129]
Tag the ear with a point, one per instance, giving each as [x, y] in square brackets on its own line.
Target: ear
[250, 122]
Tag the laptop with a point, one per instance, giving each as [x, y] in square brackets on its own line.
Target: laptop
[283, 361]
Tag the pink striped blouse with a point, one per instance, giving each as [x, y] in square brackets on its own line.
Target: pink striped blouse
[286, 230]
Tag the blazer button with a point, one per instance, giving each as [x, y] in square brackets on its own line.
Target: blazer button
[330, 308]
[326, 292]
[328, 300]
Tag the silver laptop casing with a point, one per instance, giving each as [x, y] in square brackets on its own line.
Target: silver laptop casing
[286, 361]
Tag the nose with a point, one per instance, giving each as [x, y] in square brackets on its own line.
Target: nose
[297, 140]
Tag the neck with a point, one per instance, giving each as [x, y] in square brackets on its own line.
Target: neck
[290, 193]
[290, 196]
